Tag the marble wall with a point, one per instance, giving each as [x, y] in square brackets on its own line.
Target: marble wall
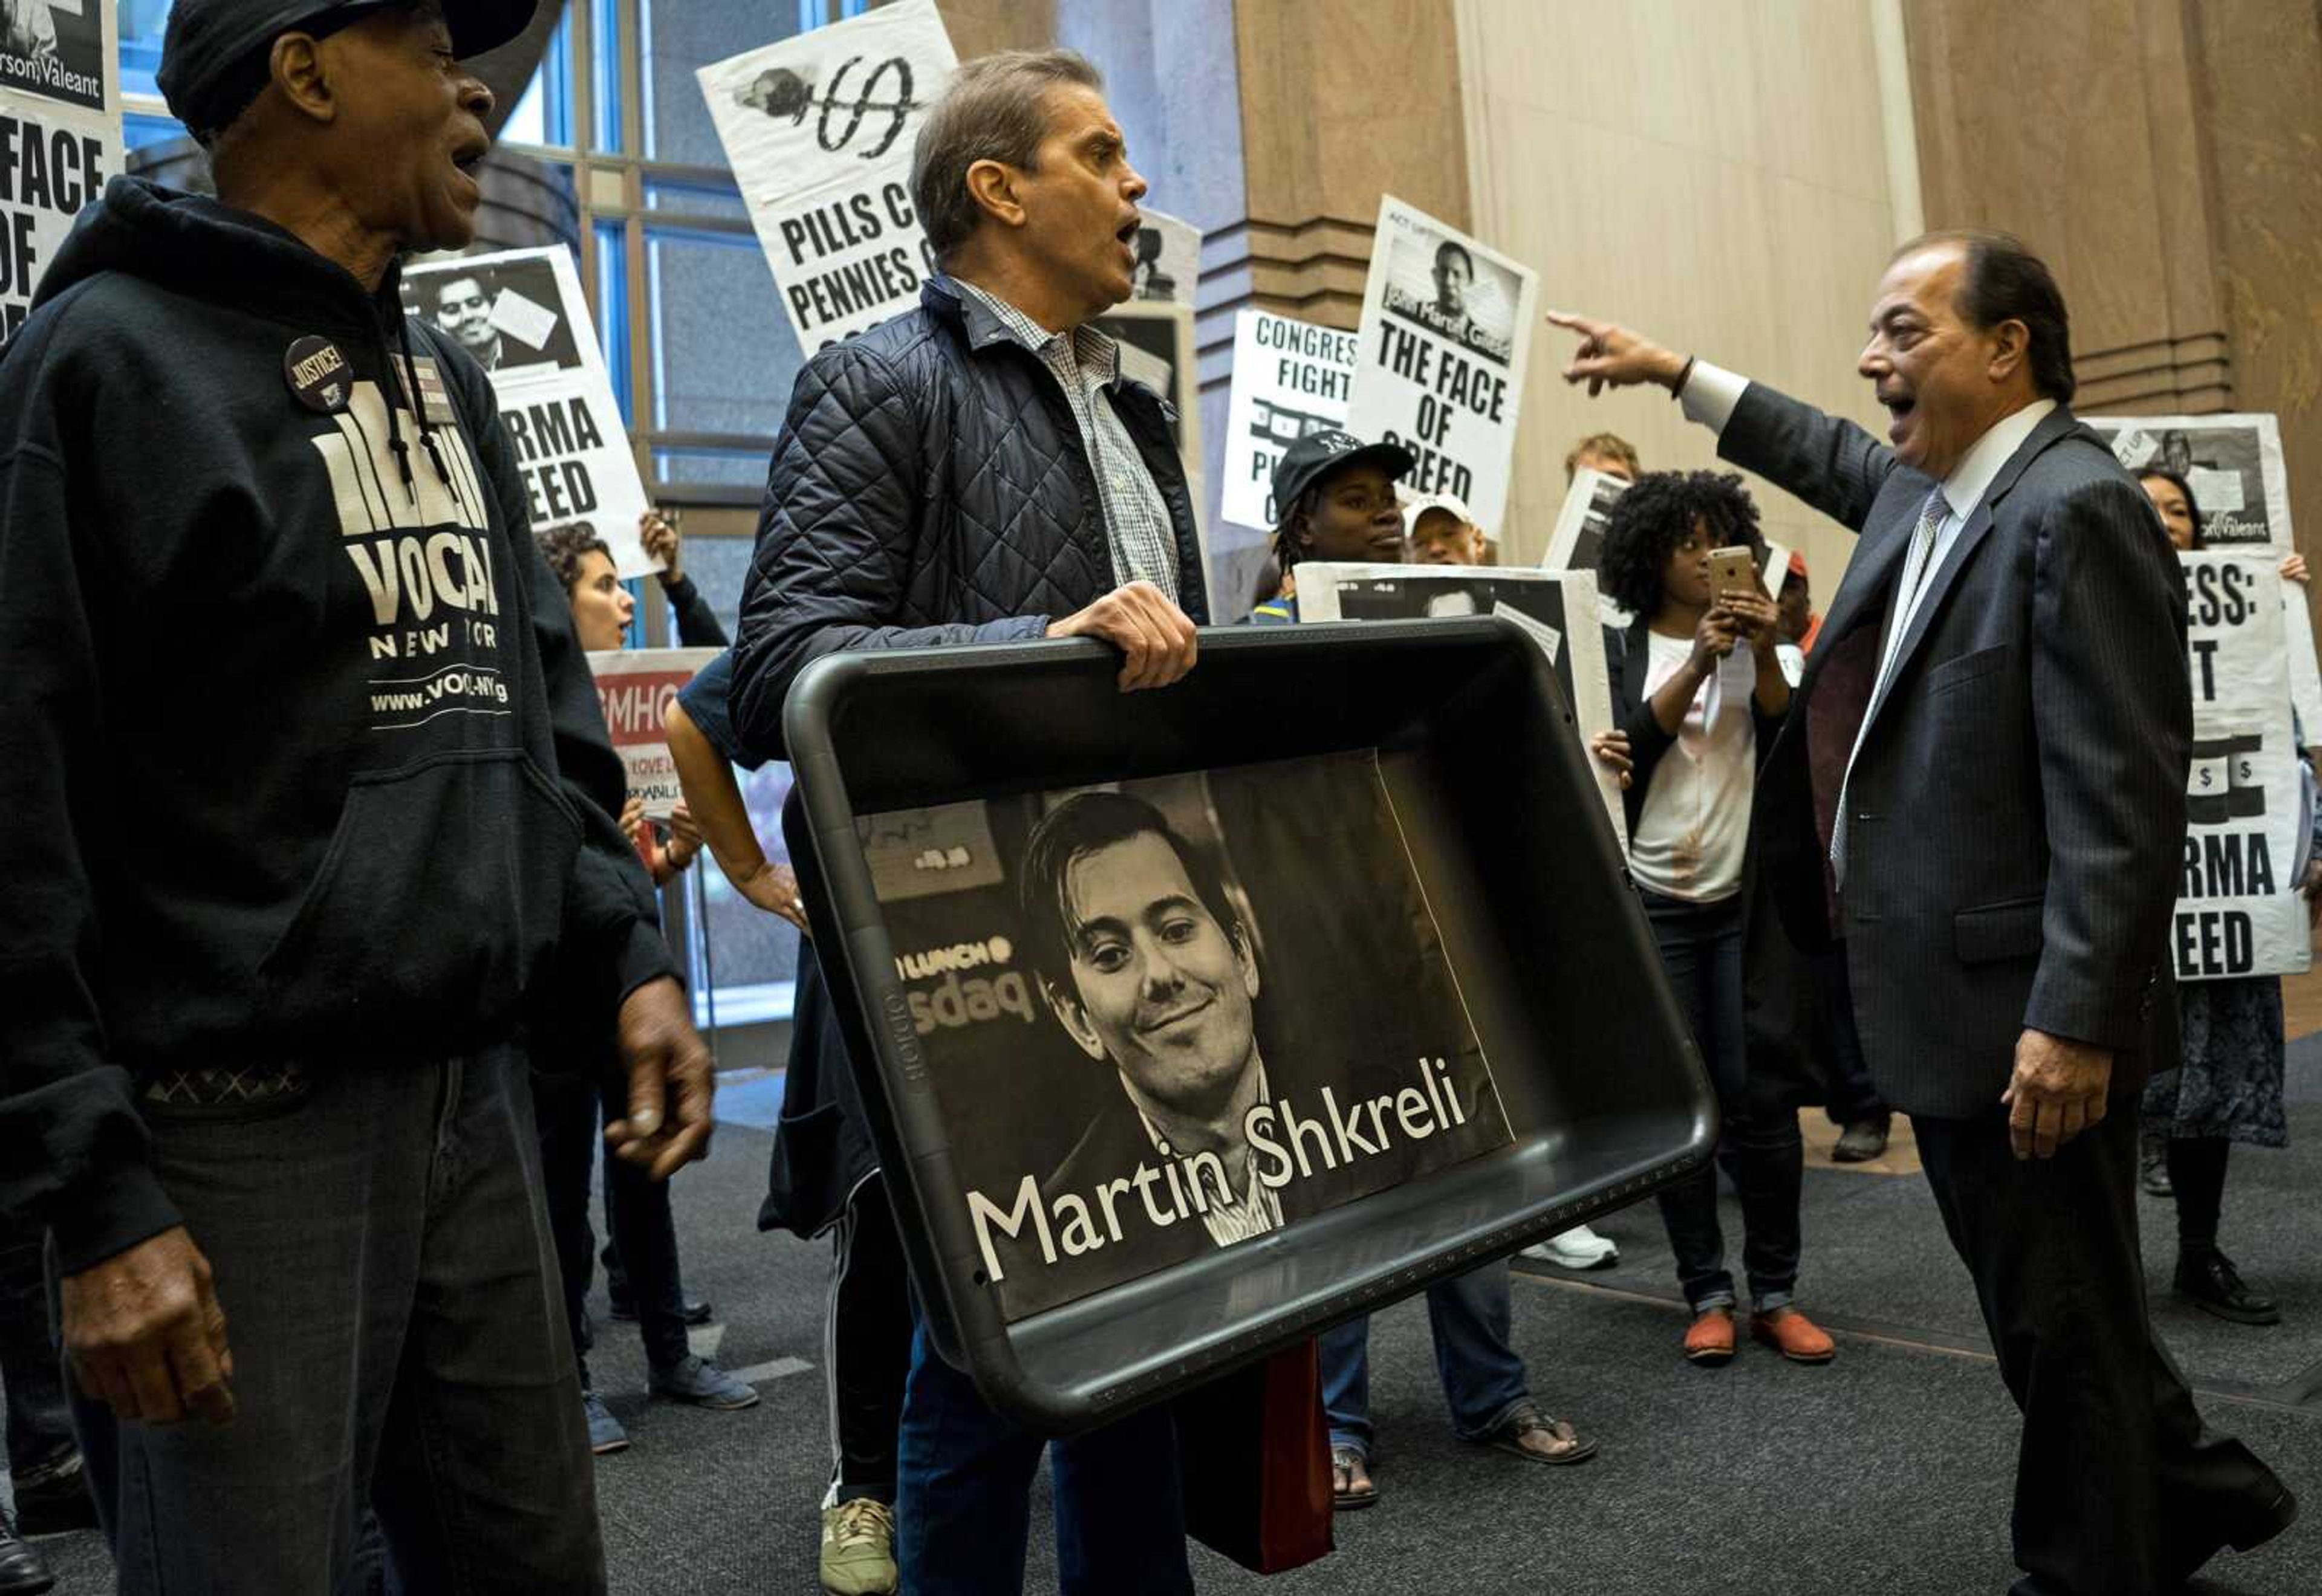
[1715, 176]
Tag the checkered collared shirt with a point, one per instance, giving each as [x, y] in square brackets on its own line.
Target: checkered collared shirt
[1084, 364]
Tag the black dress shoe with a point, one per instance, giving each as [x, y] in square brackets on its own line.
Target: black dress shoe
[2246, 1533]
[22, 1571]
[2209, 1281]
[692, 1310]
[55, 1500]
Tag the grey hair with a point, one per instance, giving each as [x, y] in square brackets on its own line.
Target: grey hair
[991, 112]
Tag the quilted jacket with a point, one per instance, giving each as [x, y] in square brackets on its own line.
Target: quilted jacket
[930, 486]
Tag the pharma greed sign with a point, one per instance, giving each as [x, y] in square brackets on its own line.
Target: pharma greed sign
[2241, 913]
[1446, 330]
[521, 315]
[819, 130]
[1290, 378]
[636, 687]
[59, 132]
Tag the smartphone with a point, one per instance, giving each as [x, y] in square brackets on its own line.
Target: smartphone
[1732, 570]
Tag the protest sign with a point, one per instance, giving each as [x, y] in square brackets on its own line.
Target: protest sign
[636, 687]
[1578, 544]
[1445, 335]
[1168, 260]
[1149, 1032]
[2240, 912]
[60, 134]
[521, 315]
[1558, 609]
[819, 130]
[2234, 465]
[1290, 378]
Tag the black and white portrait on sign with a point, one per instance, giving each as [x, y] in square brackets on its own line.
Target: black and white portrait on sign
[1154, 1033]
[509, 313]
[1168, 259]
[55, 49]
[2223, 459]
[1445, 287]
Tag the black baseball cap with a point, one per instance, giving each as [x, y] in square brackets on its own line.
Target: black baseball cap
[214, 52]
[1318, 454]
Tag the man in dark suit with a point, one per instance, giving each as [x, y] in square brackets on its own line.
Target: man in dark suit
[1980, 796]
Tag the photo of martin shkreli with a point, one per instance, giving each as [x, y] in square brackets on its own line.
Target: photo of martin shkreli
[1176, 1014]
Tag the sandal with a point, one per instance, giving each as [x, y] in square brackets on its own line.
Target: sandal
[1346, 1463]
[1528, 1420]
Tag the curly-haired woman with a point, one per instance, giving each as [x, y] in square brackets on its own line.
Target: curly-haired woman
[1700, 690]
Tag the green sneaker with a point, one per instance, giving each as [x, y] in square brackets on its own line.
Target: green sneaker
[858, 1548]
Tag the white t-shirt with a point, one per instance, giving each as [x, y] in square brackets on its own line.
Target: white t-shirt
[1696, 818]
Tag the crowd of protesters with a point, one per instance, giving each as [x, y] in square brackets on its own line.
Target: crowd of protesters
[275, 1046]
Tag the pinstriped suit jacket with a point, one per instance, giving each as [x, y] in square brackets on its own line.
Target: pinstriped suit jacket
[2017, 813]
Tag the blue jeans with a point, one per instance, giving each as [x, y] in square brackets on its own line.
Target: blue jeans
[383, 1259]
[963, 1517]
[1701, 948]
[1484, 1379]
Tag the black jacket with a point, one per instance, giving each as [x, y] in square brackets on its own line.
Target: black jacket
[2016, 811]
[302, 759]
[1628, 657]
[929, 487]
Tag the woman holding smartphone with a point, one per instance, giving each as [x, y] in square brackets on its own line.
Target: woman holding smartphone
[1700, 691]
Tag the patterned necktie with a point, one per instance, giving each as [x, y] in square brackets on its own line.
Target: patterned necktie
[1915, 565]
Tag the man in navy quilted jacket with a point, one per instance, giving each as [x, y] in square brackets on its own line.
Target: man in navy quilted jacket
[980, 471]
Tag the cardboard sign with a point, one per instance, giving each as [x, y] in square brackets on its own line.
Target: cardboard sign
[819, 130]
[2240, 913]
[2234, 465]
[1290, 378]
[60, 134]
[1445, 336]
[521, 315]
[636, 687]
[1558, 609]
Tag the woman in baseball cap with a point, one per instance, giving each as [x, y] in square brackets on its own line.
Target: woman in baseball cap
[1335, 497]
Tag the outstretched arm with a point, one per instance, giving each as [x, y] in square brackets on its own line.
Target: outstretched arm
[1832, 464]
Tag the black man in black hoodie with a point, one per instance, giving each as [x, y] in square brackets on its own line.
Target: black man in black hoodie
[311, 830]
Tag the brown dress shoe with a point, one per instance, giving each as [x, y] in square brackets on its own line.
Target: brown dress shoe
[1710, 1342]
[1793, 1334]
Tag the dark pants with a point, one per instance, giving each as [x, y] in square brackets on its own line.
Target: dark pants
[2117, 1484]
[1853, 1098]
[866, 1347]
[383, 1260]
[31, 1369]
[1760, 1149]
[636, 1212]
[1484, 1379]
[963, 1517]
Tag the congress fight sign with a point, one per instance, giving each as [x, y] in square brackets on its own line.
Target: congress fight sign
[2240, 912]
[521, 315]
[60, 134]
[636, 687]
[819, 130]
[1290, 378]
[1446, 330]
